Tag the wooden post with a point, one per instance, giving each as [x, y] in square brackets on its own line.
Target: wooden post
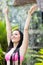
[23, 2]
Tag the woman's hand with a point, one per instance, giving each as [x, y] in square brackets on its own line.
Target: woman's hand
[5, 10]
[33, 9]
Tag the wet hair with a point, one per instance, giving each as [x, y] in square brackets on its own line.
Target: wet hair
[18, 46]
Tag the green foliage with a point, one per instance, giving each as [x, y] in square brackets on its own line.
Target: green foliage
[3, 38]
[3, 41]
[1, 51]
[15, 27]
[1, 58]
[38, 63]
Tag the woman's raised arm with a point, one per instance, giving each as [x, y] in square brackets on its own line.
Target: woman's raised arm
[30, 12]
[25, 35]
[8, 25]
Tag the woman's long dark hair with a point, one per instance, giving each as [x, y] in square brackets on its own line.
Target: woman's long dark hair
[20, 42]
[18, 46]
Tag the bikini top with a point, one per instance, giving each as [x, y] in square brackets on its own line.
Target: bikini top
[14, 57]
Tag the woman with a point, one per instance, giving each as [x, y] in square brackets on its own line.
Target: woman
[18, 41]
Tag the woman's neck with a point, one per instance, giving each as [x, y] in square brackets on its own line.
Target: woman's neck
[15, 45]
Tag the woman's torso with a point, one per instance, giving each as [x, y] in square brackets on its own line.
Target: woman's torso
[15, 59]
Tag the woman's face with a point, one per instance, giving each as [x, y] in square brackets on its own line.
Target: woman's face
[15, 36]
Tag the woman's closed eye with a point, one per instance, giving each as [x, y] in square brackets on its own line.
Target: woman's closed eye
[16, 34]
